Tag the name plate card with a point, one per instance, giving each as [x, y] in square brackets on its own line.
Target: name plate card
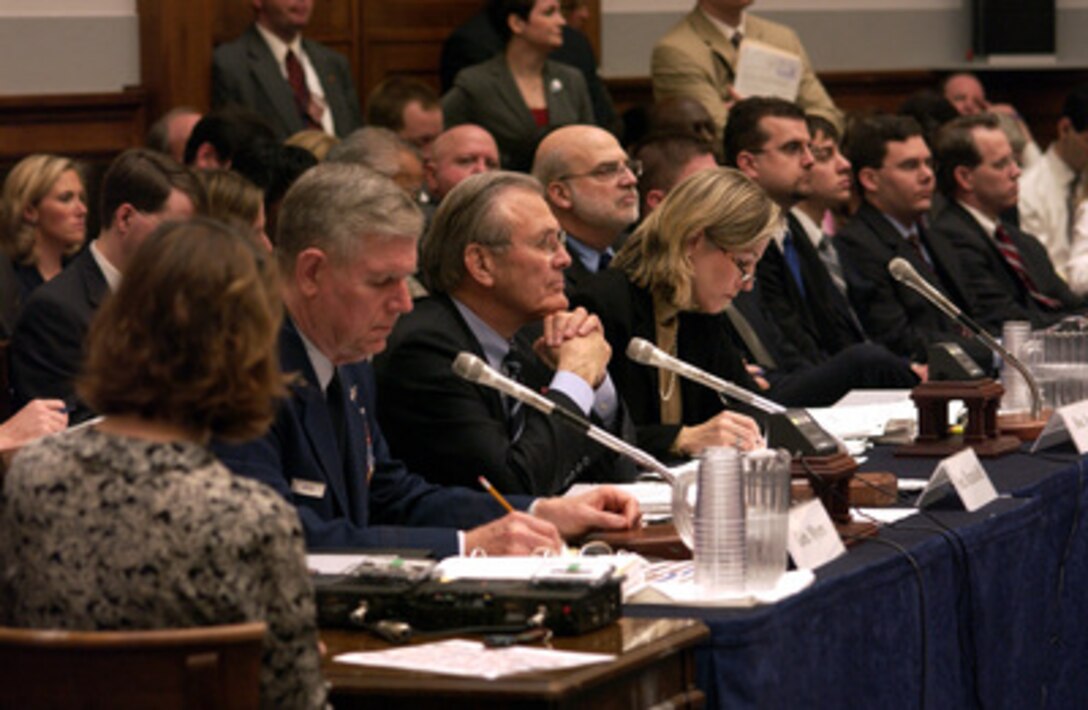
[1068, 422]
[813, 540]
[967, 475]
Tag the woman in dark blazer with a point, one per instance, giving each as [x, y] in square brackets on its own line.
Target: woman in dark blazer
[519, 94]
[669, 284]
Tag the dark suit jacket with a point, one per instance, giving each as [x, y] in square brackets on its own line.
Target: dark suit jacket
[464, 425]
[244, 72]
[477, 41]
[626, 311]
[47, 346]
[299, 457]
[486, 94]
[894, 314]
[817, 323]
[999, 294]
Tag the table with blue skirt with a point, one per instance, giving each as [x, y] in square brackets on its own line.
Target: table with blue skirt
[945, 609]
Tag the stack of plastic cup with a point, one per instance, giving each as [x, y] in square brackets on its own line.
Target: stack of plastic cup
[720, 548]
[1017, 398]
[767, 504]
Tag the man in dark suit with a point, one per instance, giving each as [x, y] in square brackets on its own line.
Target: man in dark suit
[295, 83]
[592, 188]
[140, 190]
[1008, 272]
[494, 260]
[768, 140]
[893, 169]
[347, 243]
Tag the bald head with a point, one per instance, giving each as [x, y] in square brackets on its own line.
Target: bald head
[589, 183]
[458, 153]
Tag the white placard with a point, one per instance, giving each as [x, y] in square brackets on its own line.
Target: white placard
[813, 540]
[967, 475]
[1070, 421]
[763, 70]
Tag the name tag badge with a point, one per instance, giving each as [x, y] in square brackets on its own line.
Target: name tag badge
[310, 489]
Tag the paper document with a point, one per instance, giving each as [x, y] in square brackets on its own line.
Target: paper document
[674, 583]
[763, 70]
[472, 659]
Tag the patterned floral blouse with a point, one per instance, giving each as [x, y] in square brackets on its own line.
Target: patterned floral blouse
[99, 531]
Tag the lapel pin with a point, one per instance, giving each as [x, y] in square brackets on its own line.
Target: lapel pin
[556, 86]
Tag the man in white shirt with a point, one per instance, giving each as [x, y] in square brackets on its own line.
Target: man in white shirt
[294, 83]
[1048, 189]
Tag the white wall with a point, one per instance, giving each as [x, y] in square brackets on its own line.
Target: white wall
[68, 46]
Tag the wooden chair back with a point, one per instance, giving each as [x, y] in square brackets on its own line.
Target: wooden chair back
[204, 667]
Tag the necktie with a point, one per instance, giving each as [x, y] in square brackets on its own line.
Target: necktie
[1012, 256]
[793, 261]
[830, 259]
[915, 242]
[334, 400]
[603, 261]
[297, 79]
[751, 338]
[515, 411]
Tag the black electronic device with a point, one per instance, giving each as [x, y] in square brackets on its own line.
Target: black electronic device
[950, 362]
[798, 433]
[404, 591]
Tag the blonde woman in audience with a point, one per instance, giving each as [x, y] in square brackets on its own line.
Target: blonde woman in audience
[316, 142]
[43, 217]
[520, 94]
[133, 523]
[237, 201]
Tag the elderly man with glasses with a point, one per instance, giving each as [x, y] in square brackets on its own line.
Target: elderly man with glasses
[493, 261]
[592, 188]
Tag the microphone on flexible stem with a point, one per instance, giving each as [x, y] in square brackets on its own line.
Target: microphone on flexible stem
[792, 429]
[902, 271]
[646, 353]
[468, 366]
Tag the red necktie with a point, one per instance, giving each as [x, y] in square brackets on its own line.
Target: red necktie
[297, 79]
[1008, 250]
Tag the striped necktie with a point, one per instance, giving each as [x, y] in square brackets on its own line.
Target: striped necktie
[1012, 256]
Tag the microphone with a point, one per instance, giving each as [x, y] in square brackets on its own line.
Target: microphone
[469, 367]
[902, 271]
[646, 353]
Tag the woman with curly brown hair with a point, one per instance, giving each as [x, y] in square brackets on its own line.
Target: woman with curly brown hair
[132, 523]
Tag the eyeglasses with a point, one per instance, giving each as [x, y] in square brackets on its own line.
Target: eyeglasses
[746, 266]
[606, 172]
[549, 243]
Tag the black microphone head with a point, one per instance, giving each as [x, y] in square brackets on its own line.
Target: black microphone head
[901, 270]
[468, 366]
[641, 351]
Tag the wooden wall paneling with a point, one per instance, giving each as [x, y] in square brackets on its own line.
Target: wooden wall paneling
[176, 53]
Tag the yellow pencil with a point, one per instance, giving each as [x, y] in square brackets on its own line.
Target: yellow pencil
[495, 494]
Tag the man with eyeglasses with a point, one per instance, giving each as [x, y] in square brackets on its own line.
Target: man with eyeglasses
[591, 186]
[893, 170]
[494, 260]
[768, 140]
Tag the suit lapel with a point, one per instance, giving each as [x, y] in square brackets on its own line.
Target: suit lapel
[469, 342]
[330, 85]
[506, 90]
[95, 287]
[725, 54]
[317, 424]
[267, 73]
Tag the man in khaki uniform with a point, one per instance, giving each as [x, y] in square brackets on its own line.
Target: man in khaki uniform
[698, 58]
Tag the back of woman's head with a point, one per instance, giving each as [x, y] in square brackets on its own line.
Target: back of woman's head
[27, 184]
[189, 337]
[731, 211]
[499, 12]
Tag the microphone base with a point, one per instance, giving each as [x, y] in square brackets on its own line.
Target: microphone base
[1021, 425]
[982, 399]
[829, 477]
